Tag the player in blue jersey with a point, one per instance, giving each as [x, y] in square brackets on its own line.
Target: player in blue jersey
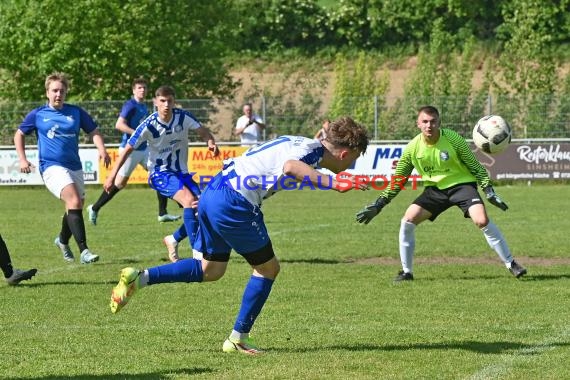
[134, 111]
[57, 126]
[450, 172]
[12, 275]
[230, 216]
[166, 133]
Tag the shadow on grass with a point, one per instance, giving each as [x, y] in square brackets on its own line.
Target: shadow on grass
[122, 376]
[314, 261]
[545, 277]
[57, 283]
[480, 347]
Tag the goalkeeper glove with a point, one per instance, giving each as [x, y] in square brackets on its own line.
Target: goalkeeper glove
[494, 199]
[369, 212]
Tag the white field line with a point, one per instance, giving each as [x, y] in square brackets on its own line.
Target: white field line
[528, 354]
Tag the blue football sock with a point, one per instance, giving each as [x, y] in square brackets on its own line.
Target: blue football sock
[185, 270]
[180, 234]
[254, 296]
[191, 224]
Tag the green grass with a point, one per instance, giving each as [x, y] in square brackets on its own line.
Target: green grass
[334, 312]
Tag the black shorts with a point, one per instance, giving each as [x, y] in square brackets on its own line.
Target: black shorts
[437, 201]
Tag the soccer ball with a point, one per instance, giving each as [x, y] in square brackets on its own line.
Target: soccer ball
[492, 134]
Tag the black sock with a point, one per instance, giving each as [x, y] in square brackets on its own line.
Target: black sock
[105, 197]
[5, 262]
[65, 233]
[77, 227]
[162, 200]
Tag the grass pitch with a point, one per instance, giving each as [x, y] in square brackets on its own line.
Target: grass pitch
[334, 312]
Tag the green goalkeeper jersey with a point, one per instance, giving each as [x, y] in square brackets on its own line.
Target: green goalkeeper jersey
[447, 163]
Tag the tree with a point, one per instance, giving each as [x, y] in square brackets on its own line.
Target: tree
[104, 44]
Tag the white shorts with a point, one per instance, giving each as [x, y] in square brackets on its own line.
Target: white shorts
[135, 158]
[57, 177]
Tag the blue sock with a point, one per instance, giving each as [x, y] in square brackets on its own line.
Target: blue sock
[185, 270]
[254, 296]
[180, 234]
[191, 224]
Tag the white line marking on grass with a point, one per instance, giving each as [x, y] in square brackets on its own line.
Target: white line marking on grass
[527, 354]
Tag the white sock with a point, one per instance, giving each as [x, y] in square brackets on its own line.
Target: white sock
[143, 278]
[407, 241]
[497, 243]
[235, 335]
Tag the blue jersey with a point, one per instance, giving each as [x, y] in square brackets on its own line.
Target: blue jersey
[57, 131]
[167, 142]
[258, 172]
[134, 113]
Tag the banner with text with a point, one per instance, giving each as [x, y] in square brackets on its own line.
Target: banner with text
[518, 162]
[10, 167]
[529, 162]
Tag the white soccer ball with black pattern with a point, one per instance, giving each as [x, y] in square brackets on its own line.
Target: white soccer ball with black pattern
[492, 134]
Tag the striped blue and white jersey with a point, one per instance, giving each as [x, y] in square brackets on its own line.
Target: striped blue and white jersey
[57, 131]
[167, 141]
[258, 172]
[134, 113]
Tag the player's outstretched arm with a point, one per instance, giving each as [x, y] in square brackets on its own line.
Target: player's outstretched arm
[207, 137]
[370, 211]
[303, 172]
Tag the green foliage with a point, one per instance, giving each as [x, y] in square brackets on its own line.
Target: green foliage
[441, 78]
[290, 100]
[104, 44]
[359, 90]
[527, 66]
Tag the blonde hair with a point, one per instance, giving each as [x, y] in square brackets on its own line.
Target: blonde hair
[57, 77]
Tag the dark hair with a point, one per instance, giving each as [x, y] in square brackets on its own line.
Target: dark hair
[165, 91]
[430, 110]
[347, 133]
[140, 81]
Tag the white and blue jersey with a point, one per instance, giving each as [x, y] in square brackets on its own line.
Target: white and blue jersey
[134, 113]
[258, 172]
[57, 131]
[167, 141]
[229, 210]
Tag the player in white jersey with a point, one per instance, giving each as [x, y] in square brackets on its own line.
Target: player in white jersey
[57, 126]
[230, 217]
[166, 133]
[133, 112]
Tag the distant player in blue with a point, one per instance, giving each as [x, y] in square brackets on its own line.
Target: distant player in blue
[166, 133]
[230, 217]
[57, 126]
[134, 111]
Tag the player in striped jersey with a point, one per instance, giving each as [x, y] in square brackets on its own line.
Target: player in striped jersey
[230, 217]
[450, 173]
[133, 112]
[166, 133]
[57, 126]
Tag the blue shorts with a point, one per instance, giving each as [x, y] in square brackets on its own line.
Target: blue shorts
[169, 183]
[228, 221]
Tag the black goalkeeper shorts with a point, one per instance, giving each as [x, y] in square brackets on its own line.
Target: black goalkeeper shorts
[437, 201]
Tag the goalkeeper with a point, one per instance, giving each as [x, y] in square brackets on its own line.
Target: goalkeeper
[450, 172]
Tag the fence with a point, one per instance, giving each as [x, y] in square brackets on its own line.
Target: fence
[387, 118]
